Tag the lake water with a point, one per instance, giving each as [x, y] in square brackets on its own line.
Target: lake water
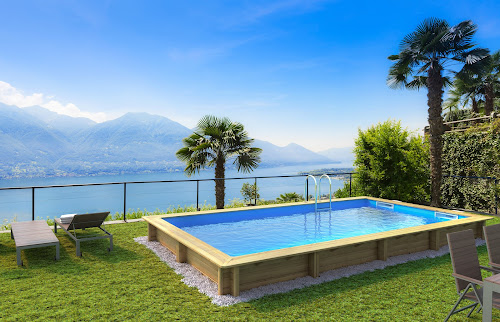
[52, 202]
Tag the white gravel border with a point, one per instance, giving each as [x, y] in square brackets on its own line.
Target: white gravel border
[193, 278]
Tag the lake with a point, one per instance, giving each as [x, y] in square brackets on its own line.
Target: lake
[53, 202]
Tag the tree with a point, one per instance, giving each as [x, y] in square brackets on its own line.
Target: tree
[391, 163]
[480, 84]
[423, 61]
[250, 192]
[464, 93]
[215, 141]
[486, 76]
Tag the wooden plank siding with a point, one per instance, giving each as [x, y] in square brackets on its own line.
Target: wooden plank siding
[236, 274]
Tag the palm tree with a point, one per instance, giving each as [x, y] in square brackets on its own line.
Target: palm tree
[479, 83]
[425, 58]
[487, 75]
[465, 92]
[215, 141]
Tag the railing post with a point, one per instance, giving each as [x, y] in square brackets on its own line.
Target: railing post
[197, 195]
[350, 184]
[255, 185]
[307, 189]
[124, 201]
[32, 203]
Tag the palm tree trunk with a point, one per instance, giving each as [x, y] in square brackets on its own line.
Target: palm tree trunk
[489, 96]
[475, 108]
[434, 101]
[219, 184]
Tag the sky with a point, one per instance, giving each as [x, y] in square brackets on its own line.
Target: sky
[308, 72]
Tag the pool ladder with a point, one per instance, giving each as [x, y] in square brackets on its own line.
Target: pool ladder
[316, 190]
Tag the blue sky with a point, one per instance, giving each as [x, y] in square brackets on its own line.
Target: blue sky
[309, 72]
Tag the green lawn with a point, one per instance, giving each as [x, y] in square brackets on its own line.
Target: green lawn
[131, 283]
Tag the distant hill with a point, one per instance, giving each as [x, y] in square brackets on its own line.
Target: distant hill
[290, 154]
[26, 139]
[67, 125]
[344, 155]
[36, 142]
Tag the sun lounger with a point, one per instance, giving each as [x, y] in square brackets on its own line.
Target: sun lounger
[467, 272]
[32, 234]
[492, 236]
[83, 221]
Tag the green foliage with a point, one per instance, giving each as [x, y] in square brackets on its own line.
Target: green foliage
[474, 153]
[250, 191]
[459, 114]
[349, 190]
[289, 197]
[391, 163]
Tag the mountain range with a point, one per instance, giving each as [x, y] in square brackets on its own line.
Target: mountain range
[37, 142]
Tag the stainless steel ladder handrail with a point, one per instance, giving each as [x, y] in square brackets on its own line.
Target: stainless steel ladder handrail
[315, 191]
[330, 191]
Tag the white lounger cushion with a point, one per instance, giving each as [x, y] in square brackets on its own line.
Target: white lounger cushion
[66, 219]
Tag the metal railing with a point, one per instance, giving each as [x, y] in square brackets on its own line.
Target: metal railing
[124, 184]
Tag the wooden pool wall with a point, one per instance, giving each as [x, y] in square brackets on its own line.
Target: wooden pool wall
[235, 274]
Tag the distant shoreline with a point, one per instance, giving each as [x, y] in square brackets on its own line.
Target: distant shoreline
[171, 170]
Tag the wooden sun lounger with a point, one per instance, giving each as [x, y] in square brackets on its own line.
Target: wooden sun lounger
[32, 234]
[492, 236]
[82, 221]
[467, 272]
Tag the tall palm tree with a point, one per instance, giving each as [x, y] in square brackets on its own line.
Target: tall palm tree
[488, 76]
[482, 81]
[465, 92]
[215, 141]
[426, 59]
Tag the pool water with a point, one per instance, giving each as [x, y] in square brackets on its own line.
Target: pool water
[236, 234]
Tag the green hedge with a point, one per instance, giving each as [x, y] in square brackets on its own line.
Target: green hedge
[473, 153]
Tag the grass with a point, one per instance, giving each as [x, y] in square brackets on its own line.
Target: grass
[131, 283]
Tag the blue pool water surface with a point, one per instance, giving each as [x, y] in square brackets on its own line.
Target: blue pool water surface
[253, 231]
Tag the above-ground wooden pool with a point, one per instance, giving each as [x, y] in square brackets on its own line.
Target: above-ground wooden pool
[252, 266]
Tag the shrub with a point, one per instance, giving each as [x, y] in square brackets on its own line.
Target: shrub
[289, 197]
[391, 163]
[473, 153]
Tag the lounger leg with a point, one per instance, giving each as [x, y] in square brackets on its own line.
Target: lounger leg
[472, 310]
[57, 252]
[456, 304]
[55, 227]
[78, 253]
[19, 261]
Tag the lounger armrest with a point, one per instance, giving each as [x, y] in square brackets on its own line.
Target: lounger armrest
[490, 269]
[468, 279]
[495, 266]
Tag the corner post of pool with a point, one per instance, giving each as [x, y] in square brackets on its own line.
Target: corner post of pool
[228, 278]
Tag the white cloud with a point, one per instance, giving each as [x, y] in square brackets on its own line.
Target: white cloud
[12, 96]
[72, 110]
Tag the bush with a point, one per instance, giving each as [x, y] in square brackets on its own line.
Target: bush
[474, 153]
[289, 197]
[391, 163]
